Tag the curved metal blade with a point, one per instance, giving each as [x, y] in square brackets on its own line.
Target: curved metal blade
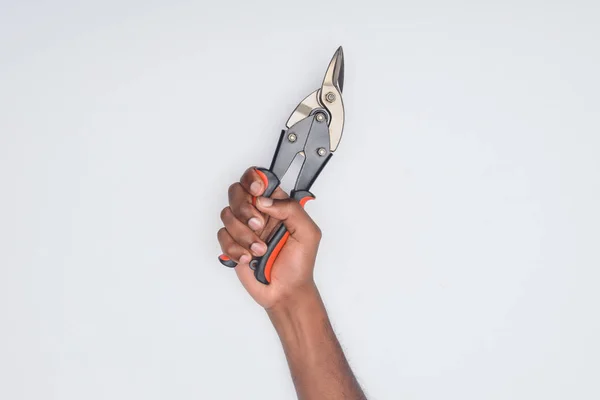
[330, 96]
[304, 109]
[335, 72]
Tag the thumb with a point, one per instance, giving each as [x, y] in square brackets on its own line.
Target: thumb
[294, 217]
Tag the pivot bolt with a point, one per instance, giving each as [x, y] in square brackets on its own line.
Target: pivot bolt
[320, 117]
[292, 137]
[330, 97]
[321, 151]
[253, 264]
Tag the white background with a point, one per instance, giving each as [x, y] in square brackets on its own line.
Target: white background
[460, 257]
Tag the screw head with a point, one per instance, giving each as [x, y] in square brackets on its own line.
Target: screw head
[253, 264]
[321, 151]
[320, 117]
[330, 97]
[292, 137]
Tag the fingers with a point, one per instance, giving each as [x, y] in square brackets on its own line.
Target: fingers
[294, 217]
[244, 222]
[242, 234]
[240, 202]
[252, 182]
[231, 249]
[255, 186]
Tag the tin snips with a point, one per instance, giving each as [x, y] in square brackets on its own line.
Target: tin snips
[313, 131]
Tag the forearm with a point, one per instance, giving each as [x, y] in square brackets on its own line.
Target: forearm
[317, 363]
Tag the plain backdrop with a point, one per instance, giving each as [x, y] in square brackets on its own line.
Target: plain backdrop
[461, 248]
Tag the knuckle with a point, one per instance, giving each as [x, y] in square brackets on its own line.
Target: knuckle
[221, 234]
[246, 209]
[230, 250]
[248, 172]
[233, 188]
[247, 238]
[225, 213]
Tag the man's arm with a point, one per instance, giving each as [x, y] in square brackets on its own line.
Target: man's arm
[317, 363]
[292, 301]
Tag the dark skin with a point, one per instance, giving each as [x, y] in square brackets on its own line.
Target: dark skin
[317, 363]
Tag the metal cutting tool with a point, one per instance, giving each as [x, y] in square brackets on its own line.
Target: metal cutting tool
[313, 131]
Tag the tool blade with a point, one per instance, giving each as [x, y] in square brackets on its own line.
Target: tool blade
[335, 72]
[330, 96]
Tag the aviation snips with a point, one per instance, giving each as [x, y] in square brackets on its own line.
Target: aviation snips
[314, 131]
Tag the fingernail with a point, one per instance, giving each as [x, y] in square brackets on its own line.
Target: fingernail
[254, 223]
[255, 188]
[245, 259]
[265, 201]
[258, 248]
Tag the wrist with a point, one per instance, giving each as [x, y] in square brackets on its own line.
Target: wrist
[300, 321]
[301, 304]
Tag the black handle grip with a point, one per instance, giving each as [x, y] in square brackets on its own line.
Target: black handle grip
[271, 183]
[263, 265]
[226, 261]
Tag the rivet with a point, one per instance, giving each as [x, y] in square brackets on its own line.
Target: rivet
[253, 264]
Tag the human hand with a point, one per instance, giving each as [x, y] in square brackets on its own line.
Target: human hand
[248, 226]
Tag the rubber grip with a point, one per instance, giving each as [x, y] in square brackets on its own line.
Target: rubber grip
[226, 261]
[271, 183]
[263, 265]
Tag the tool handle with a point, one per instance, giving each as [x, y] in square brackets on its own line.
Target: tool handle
[269, 179]
[271, 183]
[262, 266]
[226, 261]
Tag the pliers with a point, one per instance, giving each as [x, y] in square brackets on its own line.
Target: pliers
[313, 131]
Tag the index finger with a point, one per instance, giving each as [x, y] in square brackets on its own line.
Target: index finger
[252, 182]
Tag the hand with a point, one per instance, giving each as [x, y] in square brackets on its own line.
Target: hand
[246, 229]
